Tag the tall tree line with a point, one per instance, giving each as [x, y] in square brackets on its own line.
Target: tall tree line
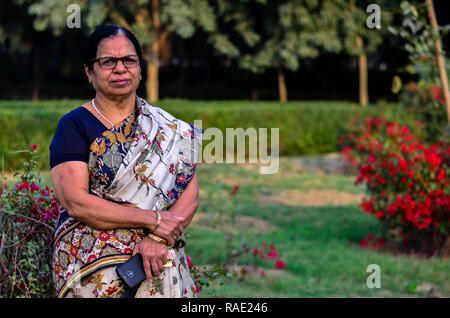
[260, 35]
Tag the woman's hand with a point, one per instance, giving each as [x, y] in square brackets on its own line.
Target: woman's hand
[154, 256]
[170, 227]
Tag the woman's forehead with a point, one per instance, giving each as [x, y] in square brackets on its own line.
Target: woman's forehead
[117, 46]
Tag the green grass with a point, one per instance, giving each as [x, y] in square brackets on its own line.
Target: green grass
[319, 243]
[305, 127]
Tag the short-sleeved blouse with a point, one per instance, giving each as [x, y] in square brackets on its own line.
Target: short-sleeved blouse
[74, 135]
[79, 132]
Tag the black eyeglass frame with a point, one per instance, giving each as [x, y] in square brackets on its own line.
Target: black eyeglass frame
[117, 60]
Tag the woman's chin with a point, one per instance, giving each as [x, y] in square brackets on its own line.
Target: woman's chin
[120, 91]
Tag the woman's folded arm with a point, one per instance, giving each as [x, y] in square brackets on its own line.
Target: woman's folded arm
[70, 181]
[187, 203]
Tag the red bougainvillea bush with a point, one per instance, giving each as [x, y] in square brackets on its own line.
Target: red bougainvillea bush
[408, 183]
[28, 214]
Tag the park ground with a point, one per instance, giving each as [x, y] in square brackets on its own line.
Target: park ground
[309, 211]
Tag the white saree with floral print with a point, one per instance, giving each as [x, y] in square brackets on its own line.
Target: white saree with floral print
[146, 161]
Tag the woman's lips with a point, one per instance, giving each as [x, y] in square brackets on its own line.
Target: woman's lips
[121, 82]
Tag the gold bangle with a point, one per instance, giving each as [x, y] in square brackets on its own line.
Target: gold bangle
[157, 238]
[158, 220]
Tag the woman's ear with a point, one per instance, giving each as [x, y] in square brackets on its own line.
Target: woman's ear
[88, 73]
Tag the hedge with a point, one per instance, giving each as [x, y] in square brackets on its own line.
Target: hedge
[306, 127]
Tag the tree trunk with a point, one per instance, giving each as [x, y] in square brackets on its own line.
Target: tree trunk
[440, 59]
[282, 86]
[363, 82]
[37, 73]
[152, 83]
[255, 94]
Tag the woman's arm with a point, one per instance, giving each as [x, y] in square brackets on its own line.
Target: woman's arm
[71, 183]
[186, 205]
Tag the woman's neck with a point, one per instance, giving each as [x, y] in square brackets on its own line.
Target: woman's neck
[116, 109]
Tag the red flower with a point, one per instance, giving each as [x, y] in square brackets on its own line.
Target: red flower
[437, 94]
[34, 147]
[197, 287]
[403, 165]
[346, 149]
[364, 242]
[280, 264]
[273, 254]
[34, 187]
[380, 214]
[235, 190]
[441, 175]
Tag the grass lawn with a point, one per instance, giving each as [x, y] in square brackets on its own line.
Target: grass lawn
[315, 223]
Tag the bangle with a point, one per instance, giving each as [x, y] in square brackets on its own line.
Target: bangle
[158, 220]
[157, 239]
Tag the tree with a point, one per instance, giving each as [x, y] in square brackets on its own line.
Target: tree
[359, 38]
[21, 40]
[439, 57]
[152, 21]
[291, 30]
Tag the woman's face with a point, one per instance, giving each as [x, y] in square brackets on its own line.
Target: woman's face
[121, 80]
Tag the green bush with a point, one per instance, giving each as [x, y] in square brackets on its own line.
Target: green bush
[407, 182]
[28, 214]
[304, 127]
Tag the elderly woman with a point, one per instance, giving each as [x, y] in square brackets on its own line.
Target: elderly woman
[124, 174]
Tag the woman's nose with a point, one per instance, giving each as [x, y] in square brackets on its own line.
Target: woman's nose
[120, 67]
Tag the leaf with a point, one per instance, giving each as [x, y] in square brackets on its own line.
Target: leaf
[396, 84]
[18, 151]
[410, 69]
[110, 135]
[121, 138]
[127, 129]
[393, 30]
[95, 147]
[102, 148]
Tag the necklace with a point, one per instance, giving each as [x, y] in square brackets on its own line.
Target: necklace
[93, 104]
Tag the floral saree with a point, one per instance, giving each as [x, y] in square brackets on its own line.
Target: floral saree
[145, 161]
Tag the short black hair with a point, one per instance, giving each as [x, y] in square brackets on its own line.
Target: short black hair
[103, 32]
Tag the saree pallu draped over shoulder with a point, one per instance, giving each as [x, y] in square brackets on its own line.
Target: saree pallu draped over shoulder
[146, 161]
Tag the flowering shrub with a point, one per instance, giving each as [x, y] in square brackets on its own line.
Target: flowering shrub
[271, 253]
[204, 275]
[426, 102]
[408, 183]
[28, 214]
[236, 244]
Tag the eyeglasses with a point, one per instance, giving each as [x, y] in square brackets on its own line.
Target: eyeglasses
[110, 62]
